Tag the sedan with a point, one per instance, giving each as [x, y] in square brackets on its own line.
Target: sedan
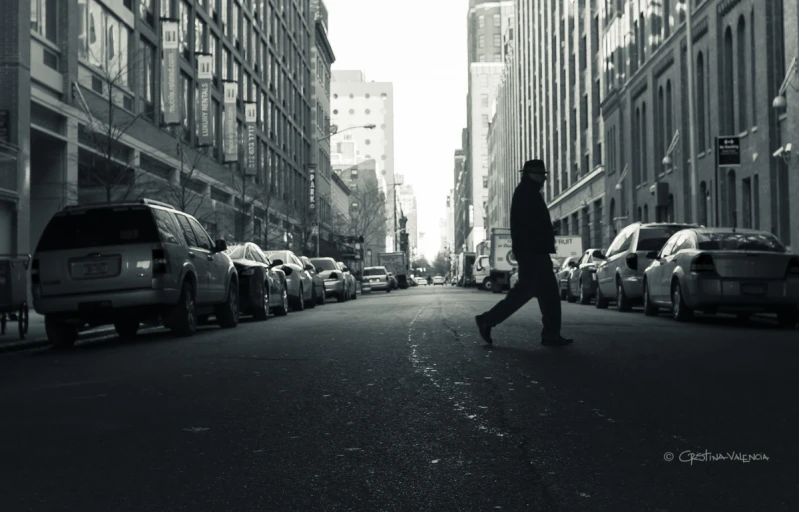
[562, 274]
[334, 280]
[352, 292]
[582, 281]
[299, 284]
[318, 281]
[438, 280]
[262, 288]
[377, 277]
[740, 271]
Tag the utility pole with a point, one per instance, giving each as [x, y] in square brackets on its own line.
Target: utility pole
[394, 193]
[692, 115]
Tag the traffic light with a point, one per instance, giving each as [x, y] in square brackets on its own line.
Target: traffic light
[404, 242]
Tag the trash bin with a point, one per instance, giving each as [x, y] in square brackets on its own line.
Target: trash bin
[14, 291]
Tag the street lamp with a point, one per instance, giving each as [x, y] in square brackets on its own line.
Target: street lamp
[780, 102]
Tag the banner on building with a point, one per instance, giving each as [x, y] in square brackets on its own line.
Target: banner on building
[230, 136]
[170, 72]
[312, 188]
[205, 129]
[251, 145]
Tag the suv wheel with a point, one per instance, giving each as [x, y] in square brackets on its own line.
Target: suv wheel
[60, 334]
[312, 303]
[488, 283]
[183, 321]
[127, 328]
[649, 308]
[679, 311]
[622, 301]
[227, 314]
[322, 299]
[601, 301]
[261, 311]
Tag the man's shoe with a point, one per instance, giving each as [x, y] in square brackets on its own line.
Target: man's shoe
[484, 328]
[558, 341]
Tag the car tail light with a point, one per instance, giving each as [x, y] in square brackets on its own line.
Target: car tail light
[35, 272]
[793, 267]
[632, 261]
[703, 263]
[160, 263]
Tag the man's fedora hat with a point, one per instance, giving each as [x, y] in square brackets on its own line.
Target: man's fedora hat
[534, 166]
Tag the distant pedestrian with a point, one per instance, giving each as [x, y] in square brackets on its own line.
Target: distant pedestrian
[533, 239]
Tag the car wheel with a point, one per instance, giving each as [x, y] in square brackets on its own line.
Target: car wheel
[299, 303]
[183, 321]
[562, 294]
[354, 294]
[622, 301]
[569, 297]
[127, 328]
[60, 334]
[227, 314]
[283, 309]
[322, 298]
[261, 311]
[487, 283]
[649, 308]
[679, 311]
[312, 303]
[584, 297]
[788, 318]
[601, 301]
[388, 290]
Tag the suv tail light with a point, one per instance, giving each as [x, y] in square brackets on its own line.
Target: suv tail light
[793, 267]
[35, 277]
[632, 261]
[703, 263]
[160, 263]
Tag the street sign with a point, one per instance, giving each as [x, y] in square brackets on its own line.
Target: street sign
[728, 151]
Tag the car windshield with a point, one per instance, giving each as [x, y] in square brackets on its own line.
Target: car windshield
[322, 264]
[653, 239]
[374, 272]
[236, 252]
[279, 255]
[739, 242]
[99, 227]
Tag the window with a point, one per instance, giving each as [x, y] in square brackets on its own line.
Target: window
[497, 40]
[200, 35]
[485, 181]
[104, 43]
[146, 12]
[728, 92]
[666, 251]
[481, 41]
[185, 13]
[481, 21]
[148, 78]
[188, 232]
[700, 98]
[203, 239]
[484, 118]
[225, 65]
[497, 21]
[44, 19]
[224, 9]
[214, 53]
[743, 109]
[484, 100]
[234, 23]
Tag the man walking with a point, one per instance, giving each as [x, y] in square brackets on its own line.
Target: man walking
[533, 241]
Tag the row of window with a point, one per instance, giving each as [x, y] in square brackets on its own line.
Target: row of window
[367, 96]
[481, 43]
[481, 20]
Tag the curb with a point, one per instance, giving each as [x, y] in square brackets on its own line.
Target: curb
[90, 335]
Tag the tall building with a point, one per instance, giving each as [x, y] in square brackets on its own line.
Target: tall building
[459, 197]
[322, 57]
[487, 22]
[357, 103]
[64, 60]
[407, 200]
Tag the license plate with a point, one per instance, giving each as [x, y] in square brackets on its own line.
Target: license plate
[95, 269]
[753, 289]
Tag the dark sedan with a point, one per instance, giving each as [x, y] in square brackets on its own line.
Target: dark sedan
[582, 282]
[262, 288]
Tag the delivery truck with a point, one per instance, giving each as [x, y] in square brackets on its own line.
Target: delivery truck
[395, 263]
[566, 246]
[501, 261]
[465, 269]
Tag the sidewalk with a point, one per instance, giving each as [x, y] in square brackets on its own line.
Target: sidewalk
[37, 336]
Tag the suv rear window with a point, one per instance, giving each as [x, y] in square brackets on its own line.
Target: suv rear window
[374, 272]
[653, 239]
[99, 227]
[740, 242]
[324, 264]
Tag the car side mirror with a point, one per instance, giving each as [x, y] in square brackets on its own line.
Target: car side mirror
[220, 246]
[598, 255]
[652, 255]
[277, 263]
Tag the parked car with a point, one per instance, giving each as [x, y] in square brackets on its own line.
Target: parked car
[262, 286]
[438, 280]
[740, 271]
[125, 263]
[334, 280]
[562, 274]
[377, 277]
[621, 272]
[353, 292]
[393, 279]
[514, 277]
[582, 277]
[421, 281]
[299, 284]
[318, 282]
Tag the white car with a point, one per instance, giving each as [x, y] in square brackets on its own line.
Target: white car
[438, 280]
[421, 281]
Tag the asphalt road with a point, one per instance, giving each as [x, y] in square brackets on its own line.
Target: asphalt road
[392, 403]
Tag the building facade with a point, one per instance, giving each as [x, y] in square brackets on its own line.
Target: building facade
[459, 197]
[87, 119]
[357, 103]
[367, 212]
[487, 22]
[322, 57]
[407, 201]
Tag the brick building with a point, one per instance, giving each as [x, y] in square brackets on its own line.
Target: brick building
[83, 53]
